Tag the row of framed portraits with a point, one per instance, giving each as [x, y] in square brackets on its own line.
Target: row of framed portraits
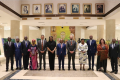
[62, 8]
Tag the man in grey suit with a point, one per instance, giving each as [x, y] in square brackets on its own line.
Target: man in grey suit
[71, 47]
[42, 47]
[114, 56]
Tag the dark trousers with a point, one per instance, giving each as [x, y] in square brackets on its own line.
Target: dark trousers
[40, 59]
[7, 62]
[89, 60]
[73, 60]
[51, 60]
[18, 60]
[101, 64]
[61, 58]
[114, 64]
[25, 61]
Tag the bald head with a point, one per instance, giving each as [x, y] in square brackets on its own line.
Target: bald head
[113, 40]
[71, 37]
[61, 41]
[91, 37]
[25, 38]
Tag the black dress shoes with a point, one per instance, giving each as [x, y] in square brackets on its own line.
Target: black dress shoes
[89, 68]
[44, 69]
[115, 72]
[39, 68]
[12, 69]
[68, 68]
[112, 72]
[63, 69]
[59, 69]
[6, 70]
[74, 69]
[16, 68]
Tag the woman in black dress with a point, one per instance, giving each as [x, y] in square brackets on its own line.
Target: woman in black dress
[51, 46]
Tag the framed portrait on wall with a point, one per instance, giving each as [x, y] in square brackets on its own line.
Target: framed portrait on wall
[87, 8]
[75, 8]
[25, 9]
[62, 8]
[36, 9]
[48, 8]
[99, 8]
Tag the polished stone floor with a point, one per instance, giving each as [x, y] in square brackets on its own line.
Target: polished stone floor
[56, 74]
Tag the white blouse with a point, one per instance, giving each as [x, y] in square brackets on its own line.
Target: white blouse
[82, 47]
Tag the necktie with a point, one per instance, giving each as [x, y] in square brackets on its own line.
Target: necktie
[42, 44]
[26, 44]
[61, 48]
[71, 42]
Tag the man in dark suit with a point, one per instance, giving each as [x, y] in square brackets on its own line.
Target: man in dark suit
[42, 47]
[9, 53]
[61, 53]
[25, 46]
[92, 49]
[71, 47]
[114, 55]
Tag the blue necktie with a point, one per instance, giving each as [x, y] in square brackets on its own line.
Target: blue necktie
[26, 44]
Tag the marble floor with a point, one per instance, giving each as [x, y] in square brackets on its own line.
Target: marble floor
[56, 74]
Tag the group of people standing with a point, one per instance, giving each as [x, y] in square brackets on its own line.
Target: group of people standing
[87, 50]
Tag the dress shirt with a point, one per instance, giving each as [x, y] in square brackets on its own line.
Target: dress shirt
[43, 41]
[113, 45]
[90, 42]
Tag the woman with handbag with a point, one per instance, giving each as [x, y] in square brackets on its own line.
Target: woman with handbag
[102, 49]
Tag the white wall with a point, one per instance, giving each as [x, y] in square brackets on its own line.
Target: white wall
[109, 4]
[14, 4]
[55, 2]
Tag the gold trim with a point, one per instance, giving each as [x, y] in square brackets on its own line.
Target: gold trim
[75, 17]
[87, 18]
[36, 18]
[61, 17]
[49, 18]
[99, 18]
[24, 18]
[33, 9]
[87, 4]
[48, 4]
[71, 8]
[28, 9]
[65, 8]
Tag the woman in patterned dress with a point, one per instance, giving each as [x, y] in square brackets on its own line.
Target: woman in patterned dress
[33, 56]
[82, 47]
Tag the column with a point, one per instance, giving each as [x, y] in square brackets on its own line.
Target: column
[110, 29]
[100, 32]
[77, 32]
[1, 36]
[47, 32]
[15, 29]
[25, 31]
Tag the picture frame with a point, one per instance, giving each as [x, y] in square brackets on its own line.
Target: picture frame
[62, 8]
[25, 9]
[100, 8]
[36, 9]
[48, 8]
[75, 8]
[87, 8]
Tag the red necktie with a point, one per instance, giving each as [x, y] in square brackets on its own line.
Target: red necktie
[71, 42]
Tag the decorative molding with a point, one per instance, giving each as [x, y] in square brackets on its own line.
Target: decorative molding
[48, 18]
[87, 18]
[75, 17]
[36, 18]
[99, 18]
[60, 15]
[24, 18]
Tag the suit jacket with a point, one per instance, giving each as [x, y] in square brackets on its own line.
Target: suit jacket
[24, 48]
[71, 47]
[9, 50]
[114, 52]
[59, 49]
[18, 50]
[92, 49]
[40, 46]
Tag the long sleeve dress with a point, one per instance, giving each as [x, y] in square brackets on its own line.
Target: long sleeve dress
[82, 56]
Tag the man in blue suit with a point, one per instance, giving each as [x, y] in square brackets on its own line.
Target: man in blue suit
[92, 49]
[18, 53]
[61, 53]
